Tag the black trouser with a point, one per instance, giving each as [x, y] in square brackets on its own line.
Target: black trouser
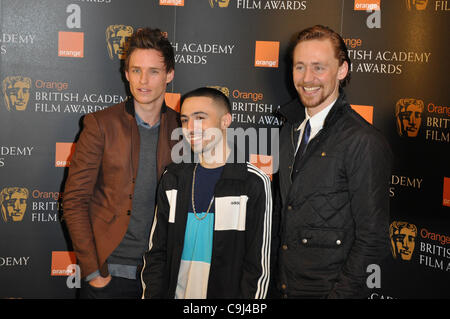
[117, 288]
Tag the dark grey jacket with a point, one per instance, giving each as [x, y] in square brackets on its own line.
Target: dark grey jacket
[334, 216]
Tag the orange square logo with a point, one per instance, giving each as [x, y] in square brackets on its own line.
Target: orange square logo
[63, 154]
[263, 162]
[267, 53]
[173, 101]
[178, 3]
[60, 261]
[364, 5]
[366, 111]
[71, 44]
[446, 192]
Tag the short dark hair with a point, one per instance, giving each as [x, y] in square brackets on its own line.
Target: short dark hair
[147, 38]
[217, 96]
[320, 32]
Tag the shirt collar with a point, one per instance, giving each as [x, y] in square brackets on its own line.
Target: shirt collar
[316, 121]
[143, 124]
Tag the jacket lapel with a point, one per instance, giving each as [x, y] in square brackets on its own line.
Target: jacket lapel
[134, 134]
[167, 124]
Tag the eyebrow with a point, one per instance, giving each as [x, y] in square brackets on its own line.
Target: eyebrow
[141, 67]
[313, 63]
[195, 113]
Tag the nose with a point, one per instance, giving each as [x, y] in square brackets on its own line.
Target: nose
[20, 94]
[189, 125]
[16, 205]
[195, 125]
[309, 76]
[405, 244]
[143, 78]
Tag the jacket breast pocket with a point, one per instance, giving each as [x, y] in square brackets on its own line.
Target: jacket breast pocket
[230, 213]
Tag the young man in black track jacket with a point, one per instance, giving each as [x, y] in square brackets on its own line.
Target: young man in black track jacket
[211, 235]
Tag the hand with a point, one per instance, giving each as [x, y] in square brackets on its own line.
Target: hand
[100, 282]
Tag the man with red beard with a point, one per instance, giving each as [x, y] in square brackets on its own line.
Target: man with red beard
[332, 200]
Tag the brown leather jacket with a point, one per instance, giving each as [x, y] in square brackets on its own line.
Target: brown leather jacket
[100, 185]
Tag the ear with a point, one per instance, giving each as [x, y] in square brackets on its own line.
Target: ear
[225, 121]
[126, 75]
[170, 76]
[342, 71]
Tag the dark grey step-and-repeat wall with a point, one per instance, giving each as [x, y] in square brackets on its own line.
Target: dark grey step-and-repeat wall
[60, 59]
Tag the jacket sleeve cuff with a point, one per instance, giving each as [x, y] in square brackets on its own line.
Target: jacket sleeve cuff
[93, 275]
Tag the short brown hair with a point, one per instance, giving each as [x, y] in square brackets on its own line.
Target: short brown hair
[146, 38]
[320, 32]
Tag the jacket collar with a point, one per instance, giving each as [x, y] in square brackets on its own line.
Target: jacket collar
[337, 110]
[235, 171]
[294, 111]
[129, 106]
[230, 170]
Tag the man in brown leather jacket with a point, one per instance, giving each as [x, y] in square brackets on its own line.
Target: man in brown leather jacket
[122, 151]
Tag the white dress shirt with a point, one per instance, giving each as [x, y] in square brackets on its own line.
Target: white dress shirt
[316, 122]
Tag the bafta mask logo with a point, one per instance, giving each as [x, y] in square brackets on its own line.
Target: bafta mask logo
[116, 39]
[403, 239]
[219, 3]
[418, 5]
[13, 201]
[408, 113]
[16, 91]
[222, 89]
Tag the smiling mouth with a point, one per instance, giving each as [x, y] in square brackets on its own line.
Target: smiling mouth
[311, 89]
[195, 139]
[198, 139]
